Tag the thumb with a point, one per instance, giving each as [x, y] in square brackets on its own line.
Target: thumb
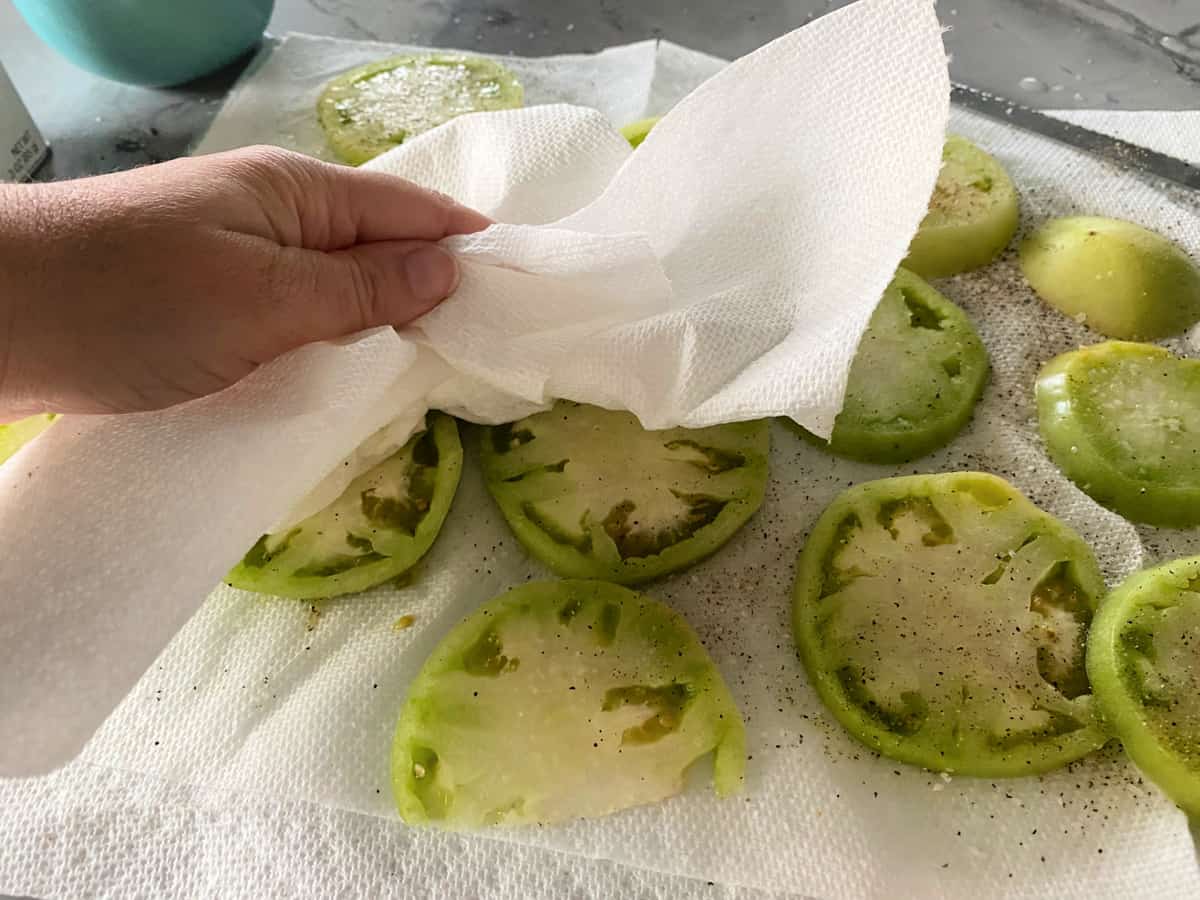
[383, 283]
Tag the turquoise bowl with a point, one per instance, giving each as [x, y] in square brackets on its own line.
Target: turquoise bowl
[155, 43]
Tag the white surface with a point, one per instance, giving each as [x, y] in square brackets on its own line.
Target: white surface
[255, 731]
[1175, 133]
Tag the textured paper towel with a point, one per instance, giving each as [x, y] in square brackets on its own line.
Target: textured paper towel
[1175, 133]
[723, 272]
[265, 725]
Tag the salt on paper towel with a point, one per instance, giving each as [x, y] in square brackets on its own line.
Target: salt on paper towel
[725, 271]
[260, 738]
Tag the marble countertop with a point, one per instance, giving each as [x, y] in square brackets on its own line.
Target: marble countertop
[1128, 54]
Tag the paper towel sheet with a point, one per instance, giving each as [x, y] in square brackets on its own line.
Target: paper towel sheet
[723, 272]
[1175, 133]
[272, 721]
[140, 837]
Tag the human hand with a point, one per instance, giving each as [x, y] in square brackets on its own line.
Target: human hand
[143, 289]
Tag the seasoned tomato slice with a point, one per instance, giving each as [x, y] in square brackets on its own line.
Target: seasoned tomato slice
[918, 373]
[972, 215]
[380, 526]
[376, 107]
[1118, 278]
[1122, 421]
[1144, 662]
[560, 700]
[943, 620]
[592, 494]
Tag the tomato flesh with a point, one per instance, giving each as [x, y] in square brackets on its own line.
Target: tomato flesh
[592, 494]
[375, 107]
[972, 215]
[379, 528]
[561, 700]
[943, 620]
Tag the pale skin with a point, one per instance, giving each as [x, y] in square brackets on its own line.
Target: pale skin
[143, 289]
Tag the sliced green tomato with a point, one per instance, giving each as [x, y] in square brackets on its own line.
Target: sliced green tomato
[592, 494]
[635, 132]
[380, 526]
[943, 620]
[561, 700]
[17, 434]
[378, 106]
[919, 371]
[1118, 278]
[1144, 662]
[972, 215]
[1122, 421]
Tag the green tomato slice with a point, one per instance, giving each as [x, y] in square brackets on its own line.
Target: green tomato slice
[379, 528]
[1118, 278]
[592, 494]
[1144, 662]
[635, 132]
[918, 373]
[972, 216]
[943, 621]
[1122, 421]
[16, 435]
[378, 106]
[560, 700]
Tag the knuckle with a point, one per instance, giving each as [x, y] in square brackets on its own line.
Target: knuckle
[279, 187]
[287, 278]
[269, 167]
[262, 156]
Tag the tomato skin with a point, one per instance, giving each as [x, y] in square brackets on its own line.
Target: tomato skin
[1120, 279]
[1080, 438]
[1115, 694]
[811, 595]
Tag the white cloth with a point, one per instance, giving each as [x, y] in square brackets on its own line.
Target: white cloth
[252, 759]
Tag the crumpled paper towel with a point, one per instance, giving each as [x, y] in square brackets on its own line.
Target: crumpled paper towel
[723, 272]
[251, 760]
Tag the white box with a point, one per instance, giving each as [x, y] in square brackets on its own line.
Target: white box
[22, 147]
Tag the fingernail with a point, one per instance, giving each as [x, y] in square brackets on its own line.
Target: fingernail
[432, 274]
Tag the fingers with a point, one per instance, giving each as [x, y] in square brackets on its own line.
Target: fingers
[373, 206]
[381, 283]
[301, 201]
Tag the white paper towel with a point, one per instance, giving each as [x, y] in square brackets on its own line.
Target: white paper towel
[724, 272]
[1175, 133]
[266, 728]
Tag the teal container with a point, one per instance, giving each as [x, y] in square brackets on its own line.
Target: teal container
[156, 43]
